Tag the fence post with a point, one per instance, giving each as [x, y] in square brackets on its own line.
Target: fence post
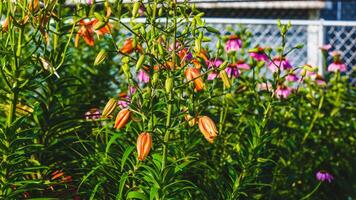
[321, 30]
[315, 39]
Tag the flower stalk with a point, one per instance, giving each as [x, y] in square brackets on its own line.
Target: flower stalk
[170, 95]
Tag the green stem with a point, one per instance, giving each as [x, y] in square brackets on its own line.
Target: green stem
[222, 113]
[314, 119]
[170, 96]
[12, 110]
[266, 114]
[312, 192]
[15, 70]
[166, 136]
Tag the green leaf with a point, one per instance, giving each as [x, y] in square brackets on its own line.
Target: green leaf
[94, 191]
[153, 193]
[212, 30]
[181, 166]
[112, 140]
[136, 195]
[125, 156]
[121, 186]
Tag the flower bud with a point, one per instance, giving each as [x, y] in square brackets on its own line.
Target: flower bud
[169, 84]
[193, 73]
[135, 8]
[191, 120]
[197, 46]
[126, 69]
[160, 49]
[155, 77]
[225, 79]
[100, 57]
[160, 11]
[144, 144]
[170, 65]
[5, 24]
[33, 5]
[109, 108]
[48, 66]
[208, 128]
[218, 44]
[122, 118]
[223, 65]
[140, 61]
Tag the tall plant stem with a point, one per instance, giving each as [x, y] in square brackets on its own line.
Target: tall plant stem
[316, 116]
[12, 109]
[170, 95]
[14, 90]
[222, 113]
[166, 136]
[312, 192]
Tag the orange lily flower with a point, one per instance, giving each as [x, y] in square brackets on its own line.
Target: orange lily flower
[87, 30]
[193, 73]
[144, 144]
[129, 48]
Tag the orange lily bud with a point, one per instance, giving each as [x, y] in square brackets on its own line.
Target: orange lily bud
[170, 65]
[5, 24]
[156, 67]
[33, 5]
[197, 64]
[56, 174]
[208, 128]
[144, 144]
[193, 73]
[122, 118]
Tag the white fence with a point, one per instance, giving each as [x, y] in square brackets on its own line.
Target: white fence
[312, 33]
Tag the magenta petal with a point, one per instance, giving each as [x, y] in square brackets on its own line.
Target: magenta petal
[272, 66]
[228, 71]
[142, 76]
[243, 66]
[292, 78]
[233, 45]
[212, 76]
[235, 72]
[132, 90]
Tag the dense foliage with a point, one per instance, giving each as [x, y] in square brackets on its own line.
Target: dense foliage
[106, 100]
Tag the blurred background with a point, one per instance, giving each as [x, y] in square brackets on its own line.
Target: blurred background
[315, 23]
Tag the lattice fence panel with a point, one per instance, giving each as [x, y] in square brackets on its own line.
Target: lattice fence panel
[267, 35]
[343, 38]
